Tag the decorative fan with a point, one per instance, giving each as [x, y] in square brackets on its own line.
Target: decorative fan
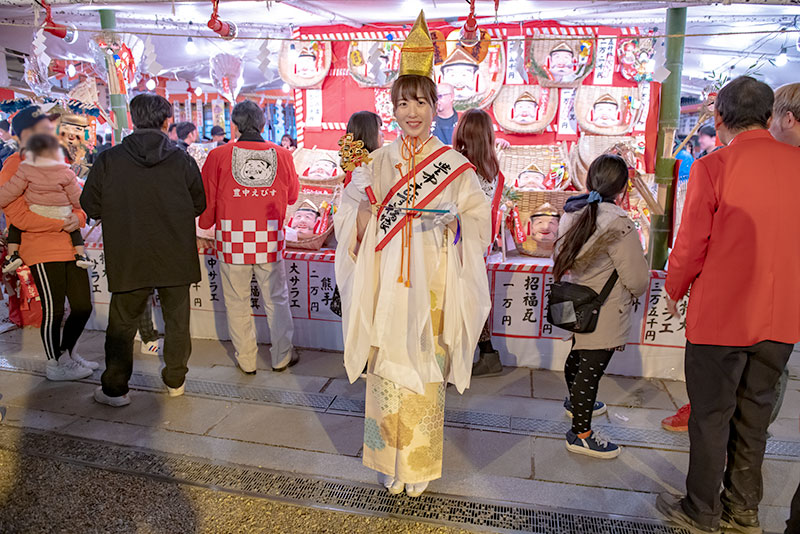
[226, 75]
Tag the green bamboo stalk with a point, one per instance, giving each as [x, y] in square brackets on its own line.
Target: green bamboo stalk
[118, 99]
[668, 119]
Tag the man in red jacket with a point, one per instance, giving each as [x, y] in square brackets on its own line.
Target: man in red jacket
[744, 307]
[785, 127]
[249, 185]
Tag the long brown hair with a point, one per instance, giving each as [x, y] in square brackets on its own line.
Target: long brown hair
[608, 176]
[474, 138]
[366, 126]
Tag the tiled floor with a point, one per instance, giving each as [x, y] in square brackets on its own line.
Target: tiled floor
[500, 466]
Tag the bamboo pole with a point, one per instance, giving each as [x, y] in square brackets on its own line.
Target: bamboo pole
[703, 118]
[116, 94]
[668, 118]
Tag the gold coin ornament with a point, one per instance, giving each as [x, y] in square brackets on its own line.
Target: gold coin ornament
[352, 153]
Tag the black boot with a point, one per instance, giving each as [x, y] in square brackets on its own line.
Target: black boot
[488, 364]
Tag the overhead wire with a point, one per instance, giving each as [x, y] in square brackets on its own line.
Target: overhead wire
[534, 37]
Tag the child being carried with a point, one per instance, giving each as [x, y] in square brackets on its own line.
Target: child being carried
[51, 190]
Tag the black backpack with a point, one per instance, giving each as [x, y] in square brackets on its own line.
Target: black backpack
[574, 307]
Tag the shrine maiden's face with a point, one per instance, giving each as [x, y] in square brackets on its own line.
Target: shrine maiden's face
[525, 112]
[285, 143]
[530, 180]
[544, 229]
[561, 64]
[461, 77]
[605, 114]
[414, 117]
[304, 221]
[322, 168]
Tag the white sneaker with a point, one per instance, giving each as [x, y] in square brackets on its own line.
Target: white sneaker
[65, 368]
[153, 347]
[176, 392]
[415, 490]
[77, 358]
[116, 402]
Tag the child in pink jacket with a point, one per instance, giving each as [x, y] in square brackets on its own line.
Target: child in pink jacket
[51, 190]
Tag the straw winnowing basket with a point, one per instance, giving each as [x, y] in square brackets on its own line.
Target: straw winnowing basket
[588, 148]
[286, 66]
[317, 197]
[515, 159]
[306, 157]
[530, 202]
[540, 49]
[509, 94]
[587, 95]
[577, 169]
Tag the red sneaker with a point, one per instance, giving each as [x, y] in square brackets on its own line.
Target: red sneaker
[678, 422]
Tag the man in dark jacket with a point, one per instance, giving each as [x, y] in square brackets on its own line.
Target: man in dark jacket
[187, 134]
[147, 192]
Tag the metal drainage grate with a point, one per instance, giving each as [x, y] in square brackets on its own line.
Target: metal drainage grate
[311, 491]
[321, 402]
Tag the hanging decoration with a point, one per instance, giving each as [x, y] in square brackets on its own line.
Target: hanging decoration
[224, 28]
[475, 72]
[516, 71]
[68, 33]
[36, 66]
[525, 109]
[635, 58]
[122, 50]
[470, 36]
[226, 75]
[75, 106]
[373, 63]
[148, 62]
[607, 110]
[562, 61]
[304, 64]
[263, 57]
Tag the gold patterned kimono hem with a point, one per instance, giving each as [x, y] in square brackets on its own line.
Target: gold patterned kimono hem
[403, 430]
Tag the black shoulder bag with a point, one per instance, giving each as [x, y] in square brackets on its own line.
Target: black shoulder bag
[574, 307]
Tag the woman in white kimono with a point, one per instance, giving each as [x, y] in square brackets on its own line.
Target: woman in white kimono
[413, 282]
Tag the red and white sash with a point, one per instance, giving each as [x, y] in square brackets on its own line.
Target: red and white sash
[434, 174]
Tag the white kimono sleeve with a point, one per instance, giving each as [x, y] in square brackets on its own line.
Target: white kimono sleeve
[467, 301]
[355, 276]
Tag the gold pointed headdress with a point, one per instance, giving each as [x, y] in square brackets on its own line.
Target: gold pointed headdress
[416, 56]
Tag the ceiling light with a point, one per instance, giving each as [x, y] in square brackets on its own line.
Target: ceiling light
[286, 88]
[150, 84]
[71, 70]
[782, 58]
[198, 91]
[191, 48]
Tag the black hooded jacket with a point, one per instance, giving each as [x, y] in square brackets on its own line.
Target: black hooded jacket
[147, 193]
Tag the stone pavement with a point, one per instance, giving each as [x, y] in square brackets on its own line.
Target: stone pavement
[503, 438]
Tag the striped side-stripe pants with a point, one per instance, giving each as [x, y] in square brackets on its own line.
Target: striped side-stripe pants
[57, 281]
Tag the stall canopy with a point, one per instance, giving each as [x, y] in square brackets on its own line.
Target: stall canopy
[724, 40]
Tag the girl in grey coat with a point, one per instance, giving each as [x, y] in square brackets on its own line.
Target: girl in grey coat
[596, 237]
